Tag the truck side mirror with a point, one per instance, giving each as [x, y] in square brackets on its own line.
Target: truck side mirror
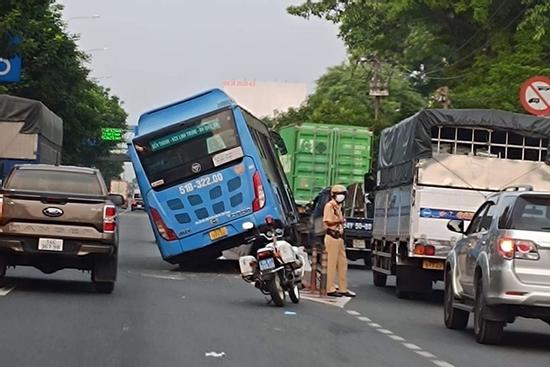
[456, 225]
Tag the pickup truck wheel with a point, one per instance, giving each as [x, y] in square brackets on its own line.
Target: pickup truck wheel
[454, 318]
[379, 279]
[3, 267]
[486, 331]
[104, 287]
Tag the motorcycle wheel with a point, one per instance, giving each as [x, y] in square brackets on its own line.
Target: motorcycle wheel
[276, 291]
[294, 293]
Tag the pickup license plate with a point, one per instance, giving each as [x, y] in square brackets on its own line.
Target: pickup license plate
[218, 233]
[50, 244]
[359, 244]
[432, 265]
[267, 264]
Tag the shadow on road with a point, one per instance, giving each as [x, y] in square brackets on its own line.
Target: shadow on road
[213, 266]
[49, 285]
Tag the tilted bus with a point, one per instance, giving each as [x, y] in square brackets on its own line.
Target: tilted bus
[208, 169]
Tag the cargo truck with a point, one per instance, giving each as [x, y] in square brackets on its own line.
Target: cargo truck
[31, 133]
[440, 165]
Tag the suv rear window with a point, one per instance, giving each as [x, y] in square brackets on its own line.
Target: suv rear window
[530, 213]
[57, 182]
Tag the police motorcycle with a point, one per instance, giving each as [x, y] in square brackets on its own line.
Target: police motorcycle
[277, 268]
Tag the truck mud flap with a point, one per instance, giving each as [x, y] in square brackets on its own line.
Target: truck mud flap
[105, 269]
[411, 279]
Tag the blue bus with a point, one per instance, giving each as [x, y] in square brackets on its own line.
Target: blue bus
[208, 171]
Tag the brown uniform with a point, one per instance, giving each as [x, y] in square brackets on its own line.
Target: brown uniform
[336, 250]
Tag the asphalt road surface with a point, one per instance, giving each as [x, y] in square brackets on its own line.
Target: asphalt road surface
[162, 316]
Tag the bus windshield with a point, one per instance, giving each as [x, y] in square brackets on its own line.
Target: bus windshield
[189, 149]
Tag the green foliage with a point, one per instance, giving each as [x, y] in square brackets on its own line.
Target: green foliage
[342, 97]
[54, 73]
[481, 49]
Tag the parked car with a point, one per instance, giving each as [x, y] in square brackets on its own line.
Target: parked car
[137, 202]
[499, 268]
[56, 217]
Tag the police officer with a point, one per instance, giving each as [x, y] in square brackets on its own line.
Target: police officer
[333, 221]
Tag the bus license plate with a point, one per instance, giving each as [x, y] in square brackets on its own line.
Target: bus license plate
[432, 265]
[50, 244]
[359, 244]
[218, 233]
[267, 264]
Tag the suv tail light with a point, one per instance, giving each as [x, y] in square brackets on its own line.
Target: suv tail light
[259, 194]
[109, 218]
[510, 248]
[166, 233]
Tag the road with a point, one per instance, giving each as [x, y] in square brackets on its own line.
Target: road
[161, 316]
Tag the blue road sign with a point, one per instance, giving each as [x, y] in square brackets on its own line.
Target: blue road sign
[10, 70]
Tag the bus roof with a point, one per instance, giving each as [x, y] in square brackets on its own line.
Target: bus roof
[183, 110]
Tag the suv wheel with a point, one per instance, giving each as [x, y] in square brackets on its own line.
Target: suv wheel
[454, 318]
[486, 331]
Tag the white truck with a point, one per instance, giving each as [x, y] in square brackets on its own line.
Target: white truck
[439, 165]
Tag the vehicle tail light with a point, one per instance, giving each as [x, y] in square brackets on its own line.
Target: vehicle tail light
[109, 218]
[421, 249]
[264, 255]
[165, 232]
[259, 194]
[1, 205]
[510, 248]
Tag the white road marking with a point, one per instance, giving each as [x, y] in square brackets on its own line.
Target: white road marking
[397, 337]
[4, 291]
[423, 353]
[332, 301]
[443, 364]
[411, 346]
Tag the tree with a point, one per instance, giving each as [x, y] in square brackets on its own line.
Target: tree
[54, 73]
[481, 49]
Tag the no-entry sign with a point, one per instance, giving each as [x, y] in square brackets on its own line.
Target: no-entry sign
[535, 95]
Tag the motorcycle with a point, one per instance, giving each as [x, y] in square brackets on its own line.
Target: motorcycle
[277, 269]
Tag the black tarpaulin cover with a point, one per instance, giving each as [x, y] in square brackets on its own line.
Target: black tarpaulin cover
[37, 118]
[404, 143]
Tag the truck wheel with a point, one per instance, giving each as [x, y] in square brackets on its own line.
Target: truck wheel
[379, 279]
[368, 262]
[276, 291]
[3, 267]
[104, 287]
[486, 331]
[454, 318]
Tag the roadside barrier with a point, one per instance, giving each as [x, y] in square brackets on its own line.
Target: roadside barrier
[324, 264]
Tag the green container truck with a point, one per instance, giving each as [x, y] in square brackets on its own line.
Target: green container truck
[320, 155]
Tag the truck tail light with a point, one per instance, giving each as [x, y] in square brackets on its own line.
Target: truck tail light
[165, 232]
[510, 248]
[1, 205]
[420, 249]
[259, 194]
[109, 218]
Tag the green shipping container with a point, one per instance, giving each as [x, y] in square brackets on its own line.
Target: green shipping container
[322, 155]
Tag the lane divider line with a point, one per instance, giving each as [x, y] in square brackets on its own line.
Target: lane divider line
[413, 347]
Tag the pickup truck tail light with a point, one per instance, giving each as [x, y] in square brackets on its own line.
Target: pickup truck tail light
[259, 193]
[420, 249]
[510, 248]
[165, 232]
[109, 218]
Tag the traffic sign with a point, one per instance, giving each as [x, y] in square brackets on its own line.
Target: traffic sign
[535, 95]
[111, 134]
[10, 70]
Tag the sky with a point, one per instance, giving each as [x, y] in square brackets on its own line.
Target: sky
[151, 53]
